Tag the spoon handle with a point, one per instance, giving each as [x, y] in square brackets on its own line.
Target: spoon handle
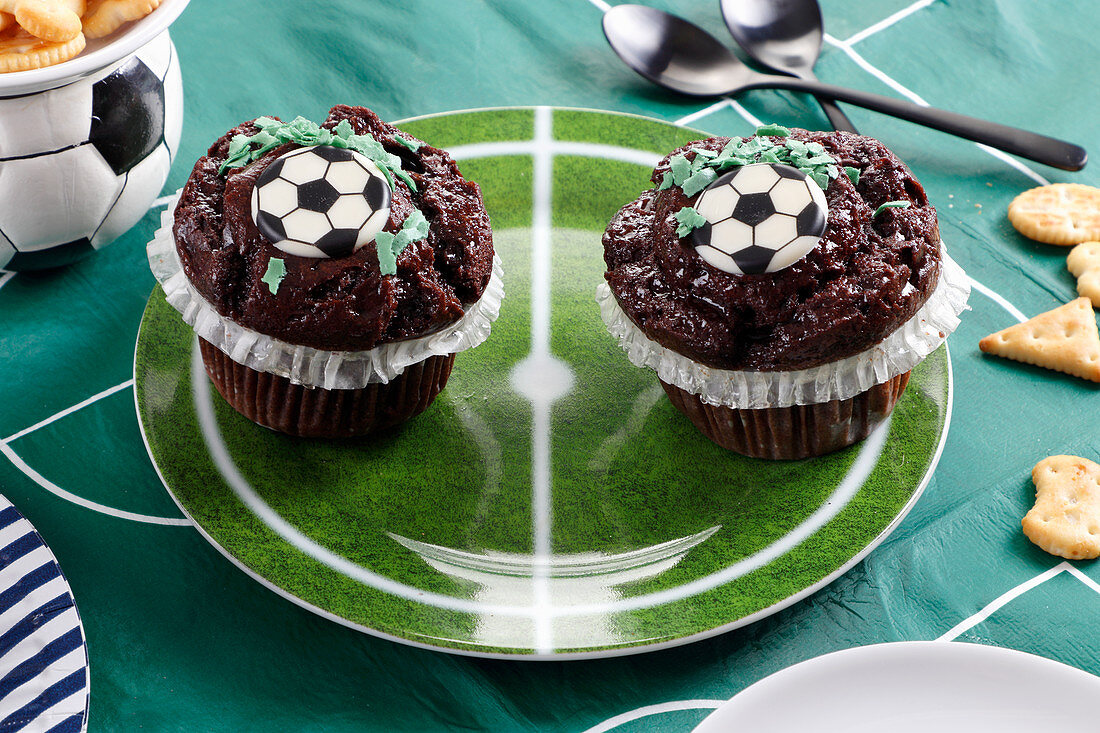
[837, 119]
[1030, 145]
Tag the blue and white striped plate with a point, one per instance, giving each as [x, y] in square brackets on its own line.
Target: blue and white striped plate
[43, 660]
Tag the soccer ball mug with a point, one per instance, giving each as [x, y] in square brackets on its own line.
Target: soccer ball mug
[82, 158]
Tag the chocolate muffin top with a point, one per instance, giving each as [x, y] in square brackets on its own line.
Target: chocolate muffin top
[867, 277]
[344, 303]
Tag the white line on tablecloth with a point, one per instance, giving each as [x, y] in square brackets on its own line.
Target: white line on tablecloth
[81, 501]
[998, 299]
[603, 6]
[658, 709]
[699, 114]
[887, 21]
[1082, 577]
[5, 278]
[917, 99]
[69, 410]
[53, 488]
[1001, 600]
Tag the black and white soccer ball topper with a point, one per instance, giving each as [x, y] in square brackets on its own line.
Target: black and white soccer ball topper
[321, 201]
[760, 218]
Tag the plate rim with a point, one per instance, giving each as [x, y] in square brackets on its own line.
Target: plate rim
[608, 652]
[952, 648]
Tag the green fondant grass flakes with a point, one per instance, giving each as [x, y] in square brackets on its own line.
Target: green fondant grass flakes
[276, 271]
[891, 205]
[690, 220]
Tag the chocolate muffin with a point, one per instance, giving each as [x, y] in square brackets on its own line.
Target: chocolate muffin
[764, 277]
[331, 271]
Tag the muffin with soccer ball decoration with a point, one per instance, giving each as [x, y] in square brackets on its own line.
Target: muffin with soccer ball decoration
[331, 271]
[782, 286]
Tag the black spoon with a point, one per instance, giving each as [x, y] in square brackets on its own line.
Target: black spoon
[784, 36]
[683, 57]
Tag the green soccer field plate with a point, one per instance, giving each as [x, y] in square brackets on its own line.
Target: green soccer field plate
[551, 503]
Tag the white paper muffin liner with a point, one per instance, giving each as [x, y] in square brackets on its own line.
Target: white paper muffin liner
[302, 364]
[839, 380]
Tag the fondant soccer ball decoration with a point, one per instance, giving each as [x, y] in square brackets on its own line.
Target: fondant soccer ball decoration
[81, 164]
[321, 202]
[760, 218]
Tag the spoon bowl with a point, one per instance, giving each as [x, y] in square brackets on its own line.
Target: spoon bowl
[681, 56]
[673, 53]
[784, 36]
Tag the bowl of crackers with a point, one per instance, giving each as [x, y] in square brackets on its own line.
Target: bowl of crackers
[91, 108]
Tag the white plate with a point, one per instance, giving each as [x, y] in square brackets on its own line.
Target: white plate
[99, 53]
[907, 687]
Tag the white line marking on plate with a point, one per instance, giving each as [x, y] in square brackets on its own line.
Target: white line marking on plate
[603, 6]
[658, 709]
[967, 624]
[853, 481]
[219, 454]
[541, 509]
[709, 110]
[887, 21]
[5, 278]
[612, 444]
[70, 410]
[917, 99]
[557, 147]
[81, 501]
[998, 299]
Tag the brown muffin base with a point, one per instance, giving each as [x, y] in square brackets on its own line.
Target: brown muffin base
[311, 412]
[789, 433]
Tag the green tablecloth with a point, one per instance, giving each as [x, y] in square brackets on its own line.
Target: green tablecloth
[180, 639]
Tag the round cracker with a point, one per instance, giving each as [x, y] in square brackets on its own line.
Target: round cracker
[48, 21]
[1061, 213]
[23, 52]
[104, 17]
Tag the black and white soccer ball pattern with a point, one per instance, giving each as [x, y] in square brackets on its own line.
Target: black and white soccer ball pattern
[760, 218]
[81, 164]
[321, 201]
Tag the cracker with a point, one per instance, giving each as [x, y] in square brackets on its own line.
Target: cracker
[7, 20]
[20, 51]
[1061, 213]
[50, 20]
[1084, 264]
[1064, 339]
[1065, 520]
[104, 17]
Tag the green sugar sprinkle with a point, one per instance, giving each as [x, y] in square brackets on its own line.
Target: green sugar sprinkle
[276, 271]
[689, 219]
[891, 205]
[243, 149]
[773, 130]
[699, 180]
[681, 169]
[412, 145]
[853, 174]
[391, 245]
[693, 176]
